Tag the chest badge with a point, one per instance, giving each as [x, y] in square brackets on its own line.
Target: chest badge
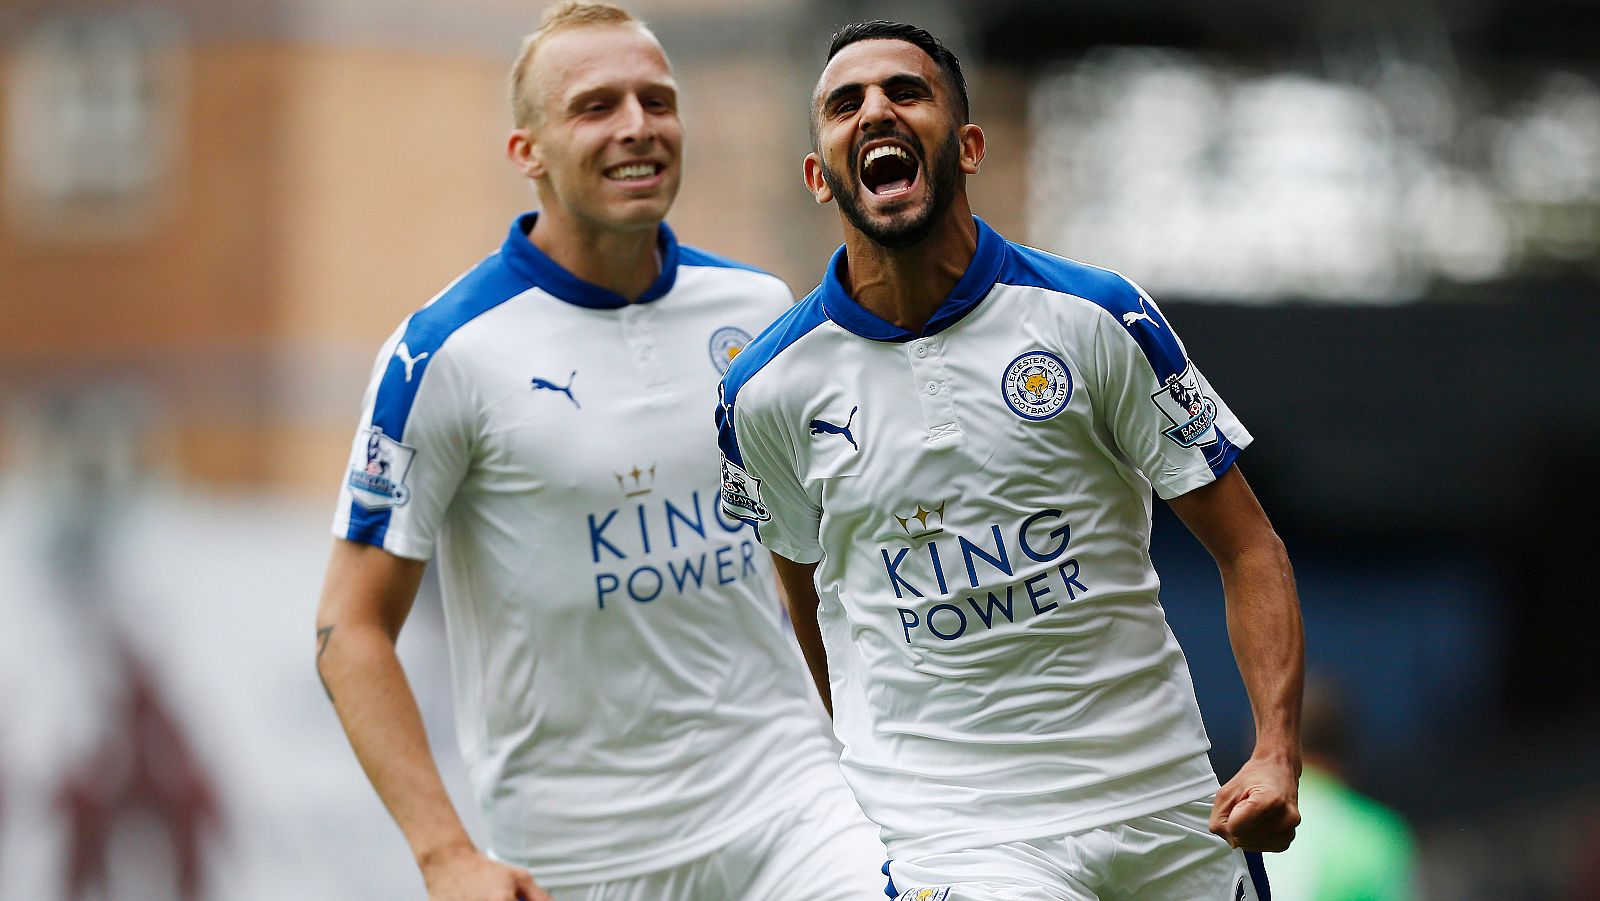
[823, 427]
[725, 344]
[1036, 385]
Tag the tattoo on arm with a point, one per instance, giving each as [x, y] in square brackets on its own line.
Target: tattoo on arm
[323, 634]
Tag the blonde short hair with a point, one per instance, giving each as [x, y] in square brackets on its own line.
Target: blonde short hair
[563, 16]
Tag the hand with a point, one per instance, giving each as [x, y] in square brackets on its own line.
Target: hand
[467, 875]
[1259, 808]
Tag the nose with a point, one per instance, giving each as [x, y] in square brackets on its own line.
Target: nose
[634, 123]
[877, 113]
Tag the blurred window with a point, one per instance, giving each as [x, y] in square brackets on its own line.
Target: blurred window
[1202, 180]
[93, 123]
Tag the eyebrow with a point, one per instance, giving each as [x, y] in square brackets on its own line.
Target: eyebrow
[900, 80]
[590, 92]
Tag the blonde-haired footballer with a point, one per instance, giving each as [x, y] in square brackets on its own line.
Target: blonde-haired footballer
[635, 721]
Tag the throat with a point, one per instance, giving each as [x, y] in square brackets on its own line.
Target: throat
[624, 263]
[907, 286]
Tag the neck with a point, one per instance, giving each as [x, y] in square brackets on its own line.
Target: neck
[907, 285]
[624, 262]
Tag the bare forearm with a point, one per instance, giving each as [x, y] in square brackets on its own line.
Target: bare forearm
[375, 704]
[1264, 627]
[796, 585]
[810, 638]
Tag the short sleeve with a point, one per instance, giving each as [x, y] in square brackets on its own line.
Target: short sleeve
[410, 453]
[760, 485]
[1161, 411]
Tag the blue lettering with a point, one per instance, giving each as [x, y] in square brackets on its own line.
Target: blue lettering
[634, 593]
[906, 624]
[698, 524]
[986, 613]
[1064, 533]
[747, 558]
[938, 567]
[604, 584]
[969, 550]
[680, 579]
[1071, 580]
[1034, 596]
[953, 609]
[724, 564]
[595, 539]
[644, 530]
[894, 574]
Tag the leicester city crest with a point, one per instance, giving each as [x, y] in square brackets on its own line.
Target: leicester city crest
[1037, 385]
[378, 482]
[726, 342]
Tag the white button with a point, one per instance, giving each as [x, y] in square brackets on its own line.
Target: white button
[933, 387]
[920, 350]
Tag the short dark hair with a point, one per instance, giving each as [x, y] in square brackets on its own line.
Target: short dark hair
[883, 29]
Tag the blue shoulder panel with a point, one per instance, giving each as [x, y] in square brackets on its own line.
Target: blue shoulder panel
[1118, 296]
[796, 322]
[480, 290]
[1033, 268]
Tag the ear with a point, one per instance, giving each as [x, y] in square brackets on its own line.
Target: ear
[522, 148]
[972, 147]
[815, 183]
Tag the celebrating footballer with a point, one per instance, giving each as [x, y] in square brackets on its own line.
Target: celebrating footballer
[950, 447]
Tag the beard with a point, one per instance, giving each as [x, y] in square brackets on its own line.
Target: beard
[902, 228]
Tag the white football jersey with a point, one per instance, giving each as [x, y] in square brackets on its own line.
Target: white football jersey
[627, 696]
[979, 499]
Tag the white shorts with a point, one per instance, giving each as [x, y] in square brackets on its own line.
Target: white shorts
[822, 849]
[1166, 856]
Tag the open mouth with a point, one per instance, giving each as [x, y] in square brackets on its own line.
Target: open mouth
[888, 170]
[631, 172]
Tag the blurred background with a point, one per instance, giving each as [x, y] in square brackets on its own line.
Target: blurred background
[1376, 225]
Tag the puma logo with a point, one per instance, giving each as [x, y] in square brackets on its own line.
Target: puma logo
[1128, 319]
[404, 353]
[547, 385]
[822, 427]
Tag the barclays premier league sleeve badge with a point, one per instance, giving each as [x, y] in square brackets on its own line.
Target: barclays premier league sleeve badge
[741, 494]
[379, 482]
[1192, 414]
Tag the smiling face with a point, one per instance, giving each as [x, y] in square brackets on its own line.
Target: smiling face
[605, 147]
[890, 147]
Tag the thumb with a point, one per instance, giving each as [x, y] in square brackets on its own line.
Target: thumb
[1228, 815]
[527, 889]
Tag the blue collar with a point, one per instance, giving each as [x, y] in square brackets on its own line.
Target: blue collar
[968, 293]
[528, 261]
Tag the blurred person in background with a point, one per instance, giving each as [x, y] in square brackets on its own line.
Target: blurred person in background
[1350, 848]
[950, 448]
[636, 724]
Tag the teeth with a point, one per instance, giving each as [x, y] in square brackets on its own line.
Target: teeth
[635, 170]
[877, 153]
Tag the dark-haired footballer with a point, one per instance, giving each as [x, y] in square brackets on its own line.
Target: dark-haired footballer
[951, 448]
